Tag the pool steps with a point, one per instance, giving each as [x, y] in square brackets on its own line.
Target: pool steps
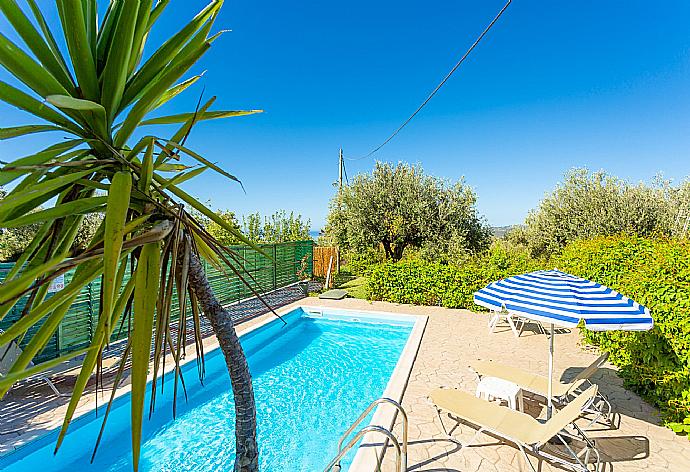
[400, 450]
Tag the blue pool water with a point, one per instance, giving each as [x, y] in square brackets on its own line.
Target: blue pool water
[312, 378]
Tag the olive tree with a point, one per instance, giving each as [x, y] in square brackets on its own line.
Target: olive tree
[399, 206]
[96, 96]
[588, 204]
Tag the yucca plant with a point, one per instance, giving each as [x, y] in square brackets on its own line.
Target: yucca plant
[99, 91]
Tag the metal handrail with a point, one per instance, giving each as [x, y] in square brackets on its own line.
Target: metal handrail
[364, 414]
[335, 463]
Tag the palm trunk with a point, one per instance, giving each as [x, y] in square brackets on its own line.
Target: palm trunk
[247, 459]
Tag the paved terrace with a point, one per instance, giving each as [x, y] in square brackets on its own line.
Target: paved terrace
[452, 340]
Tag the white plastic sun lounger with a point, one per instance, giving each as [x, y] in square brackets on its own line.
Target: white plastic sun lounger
[9, 353]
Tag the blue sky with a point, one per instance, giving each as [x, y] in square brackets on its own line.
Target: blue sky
[555, 85]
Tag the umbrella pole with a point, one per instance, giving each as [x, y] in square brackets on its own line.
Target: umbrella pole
[549, 407]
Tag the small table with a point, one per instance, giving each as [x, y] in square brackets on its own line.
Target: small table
[492, 388]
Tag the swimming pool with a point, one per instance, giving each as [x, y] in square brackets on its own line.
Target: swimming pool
[312, 378]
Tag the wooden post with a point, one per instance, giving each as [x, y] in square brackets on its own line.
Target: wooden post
[340, 171]
[328, 274]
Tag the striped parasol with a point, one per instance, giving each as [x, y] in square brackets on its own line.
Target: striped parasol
[552, 296]
[560, 299]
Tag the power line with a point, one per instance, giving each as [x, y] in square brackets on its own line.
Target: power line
[438, 87]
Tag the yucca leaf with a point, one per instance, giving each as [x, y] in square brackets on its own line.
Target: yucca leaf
[16, 131]
[49, 38]
[26, 102]
[28, 71]
[178, 179]
[151, 97]
[71, 103]
[194, 203]
[117, 63]
[6, 381]
[156, 12]
[40, 157]
[12, 288]
[115, 219]
[172, 167]
[106, 33]
[35, 42]
[91, 21]
[158, 61]
[16, 169]
[82, 277]
[147, 170]
[95, 111]
[74, 26]
[210, 115]
[145, 296]
[207, 253]
[138, 147]
[181, 134]
[12, 201]
[80, 206]
[98, 341]
[140, 31]
[203, 160]
[176, 90]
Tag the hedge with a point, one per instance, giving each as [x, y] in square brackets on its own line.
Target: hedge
[420, 282]
[654, 272]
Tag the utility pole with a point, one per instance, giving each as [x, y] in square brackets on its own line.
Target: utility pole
[340, 171]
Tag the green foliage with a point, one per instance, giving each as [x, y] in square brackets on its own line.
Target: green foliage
[280, 227]
[655, 273]
[14, 241]
[399, 206]
[421, 282]
[361, 262]
[222, 235]
[98, 89]
[589, 204]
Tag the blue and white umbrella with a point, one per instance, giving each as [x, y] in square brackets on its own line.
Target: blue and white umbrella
[560, 299]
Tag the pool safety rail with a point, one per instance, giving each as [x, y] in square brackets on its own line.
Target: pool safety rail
[276, 267]
[400, 449]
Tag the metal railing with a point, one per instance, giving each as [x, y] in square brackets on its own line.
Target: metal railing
[400, 451]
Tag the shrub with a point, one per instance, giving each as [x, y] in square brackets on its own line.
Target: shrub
[421, 282]
[360, 263]
[655, 273]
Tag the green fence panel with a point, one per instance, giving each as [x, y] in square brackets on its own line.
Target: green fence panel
[275, 269]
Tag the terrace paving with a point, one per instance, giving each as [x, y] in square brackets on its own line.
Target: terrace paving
[453, 339]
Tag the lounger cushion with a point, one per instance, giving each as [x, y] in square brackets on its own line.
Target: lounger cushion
[508, 423]
[526, 380]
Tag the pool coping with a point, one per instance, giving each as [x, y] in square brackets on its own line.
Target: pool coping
[366, 455]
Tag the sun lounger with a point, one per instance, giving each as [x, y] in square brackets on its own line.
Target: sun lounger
[537, 384]
[526, 432]
[8, 355]
[515, 322]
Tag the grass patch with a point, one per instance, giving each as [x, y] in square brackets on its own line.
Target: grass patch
[356, 287]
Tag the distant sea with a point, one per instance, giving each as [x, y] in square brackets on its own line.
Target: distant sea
[314, 233]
